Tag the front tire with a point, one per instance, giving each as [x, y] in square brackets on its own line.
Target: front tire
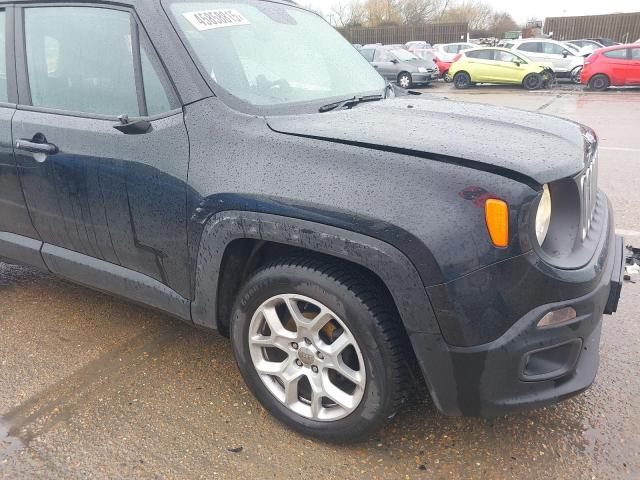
[462, 80]
[599, 82]
[405, 80]
[320, 345]
[533, 81]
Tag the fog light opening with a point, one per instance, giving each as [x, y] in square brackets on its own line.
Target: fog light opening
[557, 317]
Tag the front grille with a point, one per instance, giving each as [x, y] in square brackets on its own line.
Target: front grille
[588, 184]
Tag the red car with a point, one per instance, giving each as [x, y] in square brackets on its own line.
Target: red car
[444, 69]
[616, 66]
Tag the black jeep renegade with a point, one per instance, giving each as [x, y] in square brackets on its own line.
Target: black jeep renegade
[239, 165]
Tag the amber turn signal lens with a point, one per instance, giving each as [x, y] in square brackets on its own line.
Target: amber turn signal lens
[496, 214]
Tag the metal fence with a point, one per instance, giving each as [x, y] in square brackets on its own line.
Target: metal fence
[432, 33]
[621, 27]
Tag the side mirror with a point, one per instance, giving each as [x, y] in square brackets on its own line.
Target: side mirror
[395, 60]
[517, 63]
[566, 53]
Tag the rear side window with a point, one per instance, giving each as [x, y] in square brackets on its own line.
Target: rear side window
[481, 54]
[530, 47]
[618, 54]
[3, 60]
[81, 59]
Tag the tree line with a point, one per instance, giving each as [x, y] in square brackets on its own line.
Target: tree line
[375, 13]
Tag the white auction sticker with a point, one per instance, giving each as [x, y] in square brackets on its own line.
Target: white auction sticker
[208, 19]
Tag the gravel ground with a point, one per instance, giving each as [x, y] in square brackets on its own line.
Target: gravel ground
[94, 387]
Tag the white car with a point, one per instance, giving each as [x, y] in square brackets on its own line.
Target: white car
[446, 52]
[566, 63]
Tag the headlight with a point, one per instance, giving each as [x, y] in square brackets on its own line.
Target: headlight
[422, 70]
[543, 215]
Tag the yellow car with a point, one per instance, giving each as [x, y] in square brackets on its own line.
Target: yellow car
[498, 65]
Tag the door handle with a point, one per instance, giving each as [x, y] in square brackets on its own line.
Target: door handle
[38, 144]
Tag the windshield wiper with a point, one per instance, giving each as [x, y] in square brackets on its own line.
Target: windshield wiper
[349, 103]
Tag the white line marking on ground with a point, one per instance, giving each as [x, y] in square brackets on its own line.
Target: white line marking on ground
[628, 233]
[620, 149]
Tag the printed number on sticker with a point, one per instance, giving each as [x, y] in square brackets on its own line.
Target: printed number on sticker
[208, 19]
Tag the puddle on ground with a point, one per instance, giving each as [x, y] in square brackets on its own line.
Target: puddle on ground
[8, 444]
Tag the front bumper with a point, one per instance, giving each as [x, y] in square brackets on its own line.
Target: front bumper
[527, 366]
[424, 77]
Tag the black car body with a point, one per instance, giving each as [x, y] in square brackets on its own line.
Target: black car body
[176, 205]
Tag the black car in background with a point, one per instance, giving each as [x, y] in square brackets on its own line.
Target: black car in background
[182, 155]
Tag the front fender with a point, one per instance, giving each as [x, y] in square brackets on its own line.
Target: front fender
[394, 268]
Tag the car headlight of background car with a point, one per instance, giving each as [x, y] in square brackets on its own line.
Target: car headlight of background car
[543, 215]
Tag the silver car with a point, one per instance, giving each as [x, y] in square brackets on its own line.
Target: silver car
[565, 62]
[402, 66]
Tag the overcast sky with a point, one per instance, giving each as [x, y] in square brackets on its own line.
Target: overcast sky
[521, 10]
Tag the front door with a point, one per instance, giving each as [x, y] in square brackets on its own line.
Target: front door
[117, 195]
[633, 72]
[14, 217]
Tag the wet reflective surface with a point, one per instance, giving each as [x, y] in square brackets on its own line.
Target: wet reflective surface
[91, 386]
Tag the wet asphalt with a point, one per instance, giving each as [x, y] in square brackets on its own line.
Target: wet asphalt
[94, 387]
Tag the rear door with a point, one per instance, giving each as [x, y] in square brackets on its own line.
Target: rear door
[482, 65]
[117, 196]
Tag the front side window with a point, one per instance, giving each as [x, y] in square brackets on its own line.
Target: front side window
[368, 54]
[635, 54]
[268, 54]
[80, 59]
[383, 55]
[552, 48]
[3, 61]
[501, 56]
[617, 54]
[450, 48]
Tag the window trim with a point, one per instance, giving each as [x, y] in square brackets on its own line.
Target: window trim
[24, 101]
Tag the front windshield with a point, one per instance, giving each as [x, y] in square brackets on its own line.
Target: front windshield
[269, 54]
[404, 55]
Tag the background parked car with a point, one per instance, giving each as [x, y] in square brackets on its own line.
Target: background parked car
[586, 43]
[581, 51]
[607, 42]
[565, 62]
[446, 52]
[498, 65]
[417, 45]
[613, 66]
[402, 66]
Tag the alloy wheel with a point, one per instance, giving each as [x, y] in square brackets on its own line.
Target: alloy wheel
[306, 357]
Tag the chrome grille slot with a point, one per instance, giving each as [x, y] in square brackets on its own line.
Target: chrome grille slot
[588, 194]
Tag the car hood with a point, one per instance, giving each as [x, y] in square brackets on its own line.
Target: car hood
[529, 147]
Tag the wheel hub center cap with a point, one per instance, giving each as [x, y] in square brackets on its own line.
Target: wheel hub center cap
[306, 356]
